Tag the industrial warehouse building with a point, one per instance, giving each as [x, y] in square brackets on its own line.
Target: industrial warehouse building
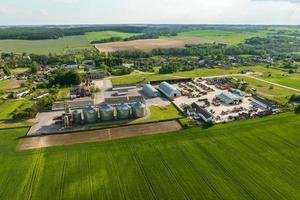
[150, 91]
[229, 98]
[265, 104]
[168, 90]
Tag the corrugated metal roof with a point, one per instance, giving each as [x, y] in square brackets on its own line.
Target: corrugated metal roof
[167, 88]
[150, 90]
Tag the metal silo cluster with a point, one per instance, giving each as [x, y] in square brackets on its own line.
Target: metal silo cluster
[107, 112]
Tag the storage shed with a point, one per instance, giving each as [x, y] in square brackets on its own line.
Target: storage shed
[168, 90]
[265, 104]
[150, 91]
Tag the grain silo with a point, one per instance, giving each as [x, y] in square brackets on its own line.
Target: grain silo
[139, 110]
[123, 111]
[90, 114]
[106, 112]
[77, 116]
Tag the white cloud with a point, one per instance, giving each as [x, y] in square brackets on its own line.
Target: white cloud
[152, 11]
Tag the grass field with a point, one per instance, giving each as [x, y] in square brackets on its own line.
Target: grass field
[7, 108]
[44, 46]
[10, 125]
[137, 78]
[290, 80]
[10, 84]
[96, 36]
[272, 92]
[256, 159]
[223, 36]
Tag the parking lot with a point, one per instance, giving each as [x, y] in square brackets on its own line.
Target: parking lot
[204, 94]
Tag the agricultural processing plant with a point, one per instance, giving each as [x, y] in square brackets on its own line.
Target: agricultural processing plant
[140, 99]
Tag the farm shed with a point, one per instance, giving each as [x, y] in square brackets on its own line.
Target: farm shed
[123, 87]
[150, 91]
[202, 113]
[229, 98]
[178, 80]
[265, 104]
[124, 99]
[168, 90]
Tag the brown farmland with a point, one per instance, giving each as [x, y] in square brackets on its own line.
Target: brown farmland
[149, 44]
[98, 135]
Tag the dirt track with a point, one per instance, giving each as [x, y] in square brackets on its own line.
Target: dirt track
[97, 135]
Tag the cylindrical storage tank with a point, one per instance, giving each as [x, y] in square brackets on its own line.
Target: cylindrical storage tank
[77, 117]
[123, 111]
[90, 115]
[106, 112]
[139, 110]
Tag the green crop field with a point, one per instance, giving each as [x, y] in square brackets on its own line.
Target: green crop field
[96, 36]
[223, 36]
[254, 159]
[7, 108]
[44, 46]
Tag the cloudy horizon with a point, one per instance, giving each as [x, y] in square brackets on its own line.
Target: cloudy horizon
[43, 12]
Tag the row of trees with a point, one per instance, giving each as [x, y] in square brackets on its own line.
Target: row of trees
[45, 32]
[151, 35]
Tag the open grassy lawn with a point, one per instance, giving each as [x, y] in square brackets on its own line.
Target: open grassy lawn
[289, 80]
[266, 90]
[223, 36]
[158, 113]
[231, 70]
[10, 125]
[10, 84]
[7, 108]
[255, 159]
[44, 46]
[138, 78]
[96, 36]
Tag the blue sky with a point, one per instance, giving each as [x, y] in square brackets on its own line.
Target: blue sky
[34, 12]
